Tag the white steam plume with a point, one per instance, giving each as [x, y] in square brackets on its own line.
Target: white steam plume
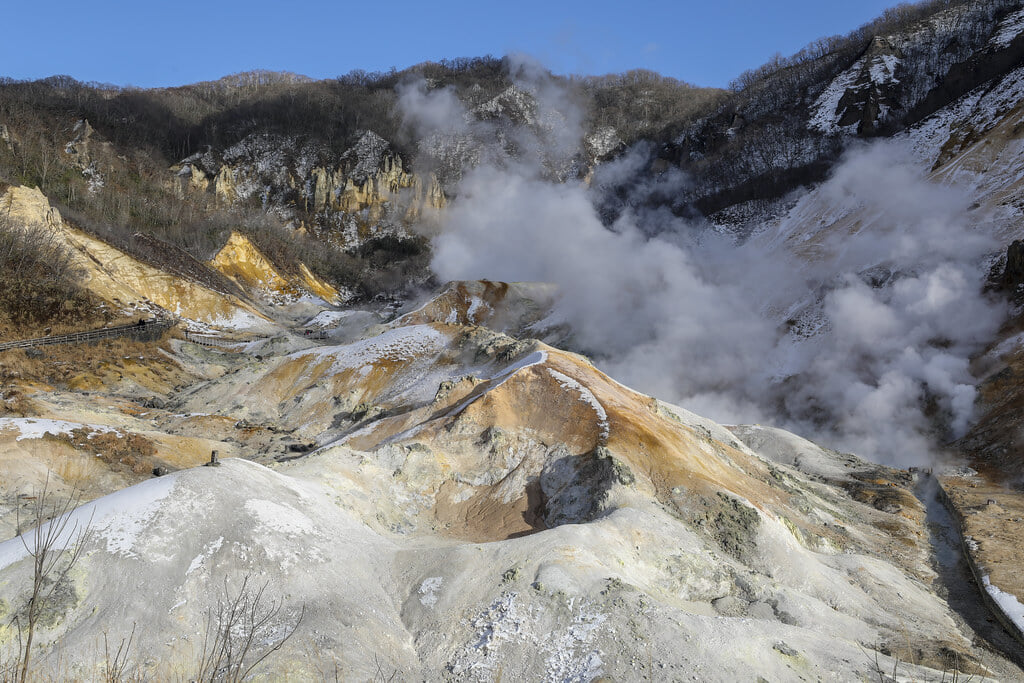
[695, 319]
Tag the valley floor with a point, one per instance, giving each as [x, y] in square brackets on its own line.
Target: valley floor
[427, 497]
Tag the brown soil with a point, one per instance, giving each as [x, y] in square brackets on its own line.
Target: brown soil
[90, 366]
[122, 452]
[993, 516]
[485, 517]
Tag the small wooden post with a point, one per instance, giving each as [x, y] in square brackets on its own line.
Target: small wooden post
[213, 460]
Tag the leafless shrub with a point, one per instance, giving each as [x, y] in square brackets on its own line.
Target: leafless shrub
[8, 666]
[115, 663]
[38, 277]
[55, 546]
[241, 633]
[380, 675]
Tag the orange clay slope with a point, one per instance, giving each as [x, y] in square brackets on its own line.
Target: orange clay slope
[487, 417]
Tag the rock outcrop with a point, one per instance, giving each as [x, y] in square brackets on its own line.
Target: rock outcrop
[366, 191]
[1013, 271]
[241, 261]
[127, 283]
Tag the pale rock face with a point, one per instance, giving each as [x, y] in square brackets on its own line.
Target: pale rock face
[370, 178]
[241, 261]
[224, 185]
[368, 190]
[122, 280]
[87, 154]
[29, 206]
[321, 288]
[79, 146]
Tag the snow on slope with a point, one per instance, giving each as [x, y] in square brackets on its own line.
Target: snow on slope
[36, 428]
[396, 345]
[116, 519]
[1008, 29]
[430, 609]
[1011, 606]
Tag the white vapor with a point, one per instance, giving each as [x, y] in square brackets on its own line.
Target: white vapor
[690, 317]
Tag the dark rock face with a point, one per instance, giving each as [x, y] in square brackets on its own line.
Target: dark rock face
[874, 93]
[574, 489]
[1013, 273]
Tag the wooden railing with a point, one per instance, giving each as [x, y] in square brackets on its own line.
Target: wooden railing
[227, 344]
[147, 329]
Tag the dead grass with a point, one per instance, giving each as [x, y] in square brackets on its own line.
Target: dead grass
[91, 366]
[122, 451]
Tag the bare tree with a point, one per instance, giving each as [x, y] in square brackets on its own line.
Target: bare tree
[55, 546]
[115, 662]
[240, 633]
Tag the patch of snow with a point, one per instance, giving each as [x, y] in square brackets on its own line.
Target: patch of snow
[238, 320]
[515, 102]
[1008, 29]
[280, 518]
[586, 396]
[604, 141]
[535, 358]
[428, 590]
[1008, 603]
[883, 69]
[504, 621]
[397, 345]
[572, 657]
[331, 319]
[117, 519]
[196, 563]
[94, 179]
[929, 136]
[475, 304]
[825, 117]
[36, 428]
[1008, 345]
[208, 551]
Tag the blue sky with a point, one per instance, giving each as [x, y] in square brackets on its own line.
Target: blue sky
[148, 44]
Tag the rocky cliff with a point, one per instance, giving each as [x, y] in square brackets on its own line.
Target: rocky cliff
[126, 283]
[241, 261]
[365, 192]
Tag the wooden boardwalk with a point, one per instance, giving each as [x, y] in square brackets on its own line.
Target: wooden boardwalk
[146, 330]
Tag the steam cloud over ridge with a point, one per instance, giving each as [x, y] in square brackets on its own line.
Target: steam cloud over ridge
[892, 303]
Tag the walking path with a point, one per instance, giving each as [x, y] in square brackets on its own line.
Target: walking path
[144, 330]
